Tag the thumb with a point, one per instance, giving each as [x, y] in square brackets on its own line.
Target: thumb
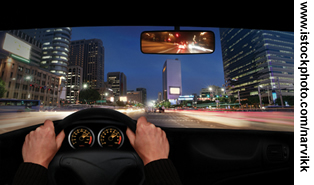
[130, 135]
[59, 139]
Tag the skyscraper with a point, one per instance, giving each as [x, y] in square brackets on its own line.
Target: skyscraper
[55, 48]
[74, 83]
[144, 94]
[253, 58]
[171, 80]
[118, 82]
[90, 55]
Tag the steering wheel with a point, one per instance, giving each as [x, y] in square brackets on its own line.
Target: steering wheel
[96, 166]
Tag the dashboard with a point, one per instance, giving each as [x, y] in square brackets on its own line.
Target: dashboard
[104, 134]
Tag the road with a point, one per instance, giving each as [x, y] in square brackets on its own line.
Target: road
[167, 47]
[278, 121]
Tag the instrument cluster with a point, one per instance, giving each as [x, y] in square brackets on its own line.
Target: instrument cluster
[83, 137]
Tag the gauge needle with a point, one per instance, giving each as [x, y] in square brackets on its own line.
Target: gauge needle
[113, 135]
[84, 135]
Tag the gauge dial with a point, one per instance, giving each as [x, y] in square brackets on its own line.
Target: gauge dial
[81, 137]
[110, 137]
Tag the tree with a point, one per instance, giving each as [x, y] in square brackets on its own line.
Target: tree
[166, 104]
[2, 88]
[223, 99]
[120, 103]
[232, 99]
[89, 95]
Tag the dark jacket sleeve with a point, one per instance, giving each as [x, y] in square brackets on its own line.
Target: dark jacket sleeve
[161, 172]
[31, 174]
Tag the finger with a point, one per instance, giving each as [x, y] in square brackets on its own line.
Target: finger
[39, 128]
[59, 139]
[48, 124]
[31, 134]
[142, 121]
[130, 135]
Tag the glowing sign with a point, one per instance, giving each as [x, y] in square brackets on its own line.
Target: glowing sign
[186, 97]
[16, 46]
[123, 98]
[175, 90]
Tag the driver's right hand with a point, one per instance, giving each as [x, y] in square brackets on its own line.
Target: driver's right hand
[150, 142]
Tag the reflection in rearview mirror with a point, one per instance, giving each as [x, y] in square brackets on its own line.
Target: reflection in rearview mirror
[177, 42]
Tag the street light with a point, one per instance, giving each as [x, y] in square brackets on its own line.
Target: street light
[85, 86]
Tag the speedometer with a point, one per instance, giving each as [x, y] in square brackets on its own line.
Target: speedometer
[110, 137]
[81, 137]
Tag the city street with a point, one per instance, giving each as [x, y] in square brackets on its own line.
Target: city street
[167, 47]
[278, 121]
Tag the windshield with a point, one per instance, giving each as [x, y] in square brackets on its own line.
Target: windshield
[246, 83]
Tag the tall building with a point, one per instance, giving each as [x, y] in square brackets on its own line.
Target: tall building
[55, 49]
[253, 58]
[90, 55]
[118, 82]
[74, 83]
[19, 69]
[159, 97]
[36, 46]
[171, 80]
[144, 95]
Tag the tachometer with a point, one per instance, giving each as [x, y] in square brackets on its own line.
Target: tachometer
[81, 137]
[110, 137]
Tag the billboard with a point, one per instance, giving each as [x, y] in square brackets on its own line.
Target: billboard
[16, 46]
[123, 98]
[175, 90]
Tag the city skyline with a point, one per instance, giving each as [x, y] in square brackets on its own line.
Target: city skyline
[123, 54]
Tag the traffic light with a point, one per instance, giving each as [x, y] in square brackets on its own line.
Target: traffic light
[177, 34]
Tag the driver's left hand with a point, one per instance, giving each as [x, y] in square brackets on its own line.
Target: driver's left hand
[41, 145]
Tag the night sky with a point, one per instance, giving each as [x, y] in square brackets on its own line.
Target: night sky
[123, 53]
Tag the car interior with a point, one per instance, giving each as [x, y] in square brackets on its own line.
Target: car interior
[200, 155]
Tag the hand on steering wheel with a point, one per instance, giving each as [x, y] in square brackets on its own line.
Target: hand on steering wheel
[150, 142]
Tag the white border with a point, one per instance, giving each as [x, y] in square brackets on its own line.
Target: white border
[303, 178]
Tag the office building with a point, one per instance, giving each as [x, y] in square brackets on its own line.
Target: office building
[19, 69]
[90, 55]
[74, 83]
[135, 97]
[253, 58]
[159, 97]
[171, 80]
[144, 95]
[55, 49]
[118, 83]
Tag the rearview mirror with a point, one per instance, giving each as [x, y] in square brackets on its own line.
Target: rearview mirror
[177, 42]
